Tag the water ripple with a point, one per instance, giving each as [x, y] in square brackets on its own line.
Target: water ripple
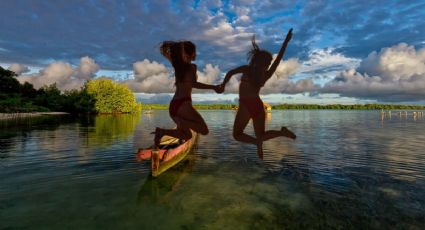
[344, 170]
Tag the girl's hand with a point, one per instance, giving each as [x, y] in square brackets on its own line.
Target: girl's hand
[288, 36]
[219, 88]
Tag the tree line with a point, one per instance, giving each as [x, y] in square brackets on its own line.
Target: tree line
[101, 95]
[349, 107]
[298, 106]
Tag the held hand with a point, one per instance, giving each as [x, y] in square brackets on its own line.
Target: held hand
[288, 36]
[222, 87]
[219, 88]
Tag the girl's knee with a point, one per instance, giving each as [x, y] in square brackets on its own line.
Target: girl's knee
[187, 135]
[204, 131]
[237, 135]
[259, 136]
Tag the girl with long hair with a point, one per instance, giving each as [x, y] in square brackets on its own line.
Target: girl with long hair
[181, 54]
[254, 76]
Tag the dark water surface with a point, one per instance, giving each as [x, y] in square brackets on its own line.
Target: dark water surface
[346, 170]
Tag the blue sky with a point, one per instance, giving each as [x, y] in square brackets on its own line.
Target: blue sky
[341, 52]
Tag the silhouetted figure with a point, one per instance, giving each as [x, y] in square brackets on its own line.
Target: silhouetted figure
[254, 76]
[181, 54]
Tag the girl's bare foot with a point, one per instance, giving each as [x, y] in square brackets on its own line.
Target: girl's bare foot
[158, 135]
[288, 133]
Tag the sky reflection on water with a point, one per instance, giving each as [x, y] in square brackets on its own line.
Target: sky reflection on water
[347, 169]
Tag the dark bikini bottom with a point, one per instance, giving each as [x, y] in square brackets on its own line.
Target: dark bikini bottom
[176, 103]
[254, 105]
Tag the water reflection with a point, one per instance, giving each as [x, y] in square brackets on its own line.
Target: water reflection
[16, 134]
[159, 190]
[111, 128]
[345, 170]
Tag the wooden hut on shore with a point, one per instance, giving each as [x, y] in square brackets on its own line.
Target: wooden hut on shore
[267, 107]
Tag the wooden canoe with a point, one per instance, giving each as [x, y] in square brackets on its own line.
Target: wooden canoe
[170, 152]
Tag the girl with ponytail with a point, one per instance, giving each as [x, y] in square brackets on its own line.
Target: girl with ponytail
[254, 76]
[181, 54]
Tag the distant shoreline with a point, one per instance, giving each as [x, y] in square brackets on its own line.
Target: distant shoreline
[6, 116]
[386, 107]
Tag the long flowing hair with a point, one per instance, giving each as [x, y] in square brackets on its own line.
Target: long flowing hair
[256, 53]
[179, 54]
[254, 56]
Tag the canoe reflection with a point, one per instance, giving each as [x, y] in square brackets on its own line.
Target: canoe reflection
[160, 189]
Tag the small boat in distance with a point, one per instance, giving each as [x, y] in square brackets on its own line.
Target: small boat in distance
[169, 153]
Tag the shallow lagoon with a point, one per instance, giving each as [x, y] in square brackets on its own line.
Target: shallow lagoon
[347, 169]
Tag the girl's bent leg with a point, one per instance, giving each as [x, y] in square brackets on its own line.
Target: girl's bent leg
[241, 121]
[188, 118]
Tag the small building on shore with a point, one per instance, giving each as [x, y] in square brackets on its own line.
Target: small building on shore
[267, 107]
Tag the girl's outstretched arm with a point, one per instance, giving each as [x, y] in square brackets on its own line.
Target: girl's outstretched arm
[199, 85]
[276, 62]
[240, 69]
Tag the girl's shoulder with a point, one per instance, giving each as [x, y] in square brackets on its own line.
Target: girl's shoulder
[240, 69]
[244, 68]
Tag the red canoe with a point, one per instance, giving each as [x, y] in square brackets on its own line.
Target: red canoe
[170, 152]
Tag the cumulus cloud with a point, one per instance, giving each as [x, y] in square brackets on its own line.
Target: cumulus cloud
[280, 82]
[63, 74]
[18, 68]
[327, 60]
[151, 77]
[210, 75]
[120, 32]
[87, 69]
[154, 77]
[228, 37]
[395, 73]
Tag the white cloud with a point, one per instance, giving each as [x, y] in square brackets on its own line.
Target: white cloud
[144, 69]
[243, 15]
[87, 68]
[286, 68]
[279, 82]
[325, 60]
[63, 74]
[396, 73]
[400, 62]
[209, 75]
[151, 77]
[18, 68]
[154, 77]
[226, 36]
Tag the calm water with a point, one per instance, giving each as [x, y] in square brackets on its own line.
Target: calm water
[347, 169]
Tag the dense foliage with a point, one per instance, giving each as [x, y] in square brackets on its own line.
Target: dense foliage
[17, 97]
[99, 95]
[106, 96]
[112, 97]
